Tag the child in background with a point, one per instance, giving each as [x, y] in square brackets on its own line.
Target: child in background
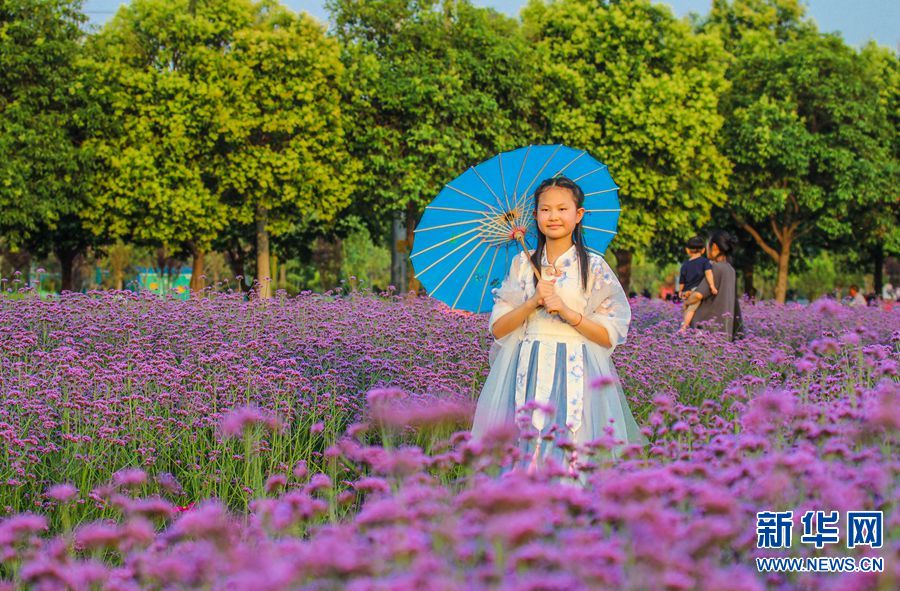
[693, 272]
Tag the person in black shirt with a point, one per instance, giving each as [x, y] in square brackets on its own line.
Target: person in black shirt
[693, 272]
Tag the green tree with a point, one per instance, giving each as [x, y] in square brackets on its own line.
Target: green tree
[223, 113]
[44, 114]
[317, 246]
[747, 24]
[808, 136]
[639, 90]
[877, 225]
[283, 160]
[437, 87]
[154, 62]
[365, 264]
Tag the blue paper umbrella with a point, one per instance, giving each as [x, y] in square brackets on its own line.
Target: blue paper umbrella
[468, 236]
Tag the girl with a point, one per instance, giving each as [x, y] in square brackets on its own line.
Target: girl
[553, 337]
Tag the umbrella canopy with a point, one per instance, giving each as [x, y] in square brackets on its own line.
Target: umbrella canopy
[467, 237]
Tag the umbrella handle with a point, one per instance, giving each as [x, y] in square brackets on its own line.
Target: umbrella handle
[537, 272]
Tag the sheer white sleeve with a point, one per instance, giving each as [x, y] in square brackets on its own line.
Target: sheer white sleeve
[510, 295]
[607, 303]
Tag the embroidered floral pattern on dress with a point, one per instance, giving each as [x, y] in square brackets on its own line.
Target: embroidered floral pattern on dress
[551, 329]
[565, 361]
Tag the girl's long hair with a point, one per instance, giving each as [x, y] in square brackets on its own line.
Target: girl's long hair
[577, 234]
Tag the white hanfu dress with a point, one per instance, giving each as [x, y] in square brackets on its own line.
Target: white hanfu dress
[547, 361]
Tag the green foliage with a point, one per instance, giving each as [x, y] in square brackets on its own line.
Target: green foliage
[762, 24]
[367, 262]
[880, 222]
[808, 131]
[645, 274]
[42, 111]
[435, 89]
[821, 277]
[217, 108]
[821, 274]
[282, 127]
[806, 136]
[639, 90]
[192, 124]
[153, 63]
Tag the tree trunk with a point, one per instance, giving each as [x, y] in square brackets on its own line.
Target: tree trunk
[398, 252]
[878, 271]
[748, 279]
[273, 262]
[162, 267]
[67, 266]
[785, 234]
[414, 284]
[784, 258]
[20, 261]
[119, 260]
[263, 275]
[623, 268]
[197, 283]
[327, 259]
[282, 275]
[235, 257]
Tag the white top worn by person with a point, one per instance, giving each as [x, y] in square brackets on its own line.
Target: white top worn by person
[856, 298]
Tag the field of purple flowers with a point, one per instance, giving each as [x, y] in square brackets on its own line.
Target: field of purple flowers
[319, 442]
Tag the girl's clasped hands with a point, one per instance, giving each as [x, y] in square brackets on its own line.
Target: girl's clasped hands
[545, 295]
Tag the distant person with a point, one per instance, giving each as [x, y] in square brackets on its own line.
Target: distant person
[857, 300]
[720, 312]
[694, 271]
[889, 296]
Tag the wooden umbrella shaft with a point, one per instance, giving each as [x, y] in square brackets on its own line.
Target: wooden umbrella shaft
[537, 272]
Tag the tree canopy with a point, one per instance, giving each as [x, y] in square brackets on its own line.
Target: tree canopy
[639, 90]
[807, 131]
[44, 170]
[436, 88]
[239, 126]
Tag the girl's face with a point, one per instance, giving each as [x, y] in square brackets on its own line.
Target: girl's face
[557, 214]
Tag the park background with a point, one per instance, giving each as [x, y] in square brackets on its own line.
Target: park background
[322, 441]
[183, 144]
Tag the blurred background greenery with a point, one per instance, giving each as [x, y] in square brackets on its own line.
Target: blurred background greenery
[191, 144]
